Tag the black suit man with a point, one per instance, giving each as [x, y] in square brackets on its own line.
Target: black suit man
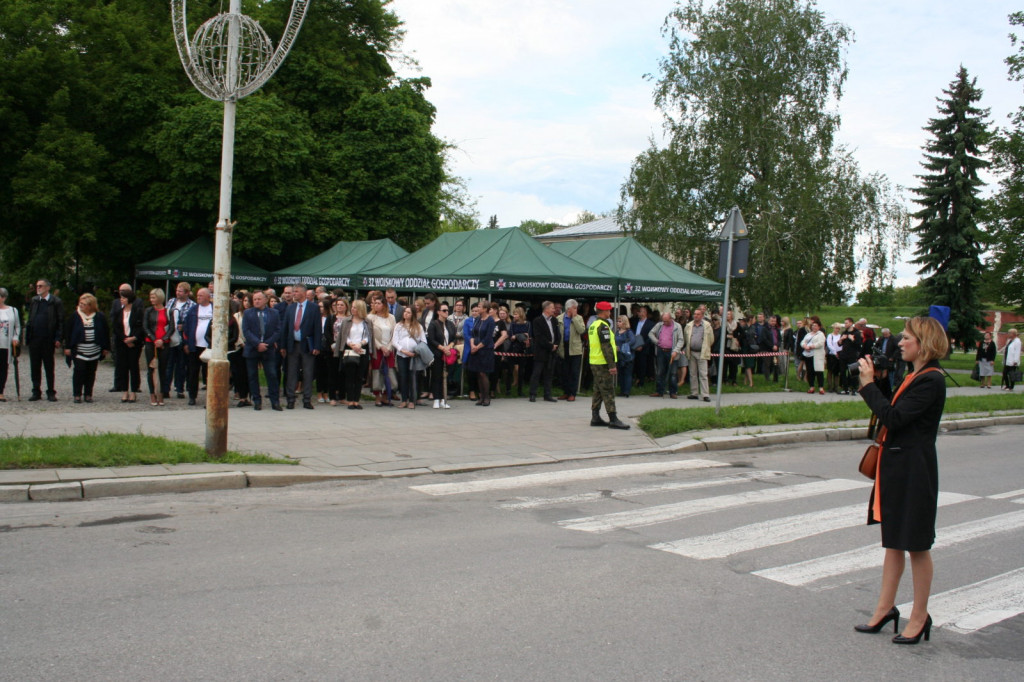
[302, 338]
[546, 335]
[261, 328]
[643, 356]
[43, 335]
[394, 307]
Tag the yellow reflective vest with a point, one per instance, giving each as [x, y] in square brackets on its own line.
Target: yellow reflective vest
[601, 330]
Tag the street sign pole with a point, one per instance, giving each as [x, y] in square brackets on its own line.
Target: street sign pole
[725, 311]
[734, 231]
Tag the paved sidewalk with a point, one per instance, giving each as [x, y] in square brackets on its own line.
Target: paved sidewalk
[333, 442]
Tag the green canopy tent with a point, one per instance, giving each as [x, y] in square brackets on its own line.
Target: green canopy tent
[194, 262]
[487, 262]
[338, 265]
[640, 273]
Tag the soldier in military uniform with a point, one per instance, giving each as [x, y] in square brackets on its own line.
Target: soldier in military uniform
[603, 358]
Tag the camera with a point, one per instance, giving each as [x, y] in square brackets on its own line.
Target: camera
[879, 359]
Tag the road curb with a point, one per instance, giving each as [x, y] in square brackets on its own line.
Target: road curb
[92, 488]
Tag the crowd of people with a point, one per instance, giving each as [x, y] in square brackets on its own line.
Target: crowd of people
[314, 345]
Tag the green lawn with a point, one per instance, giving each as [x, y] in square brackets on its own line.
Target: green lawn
[112, 450]
[883, 317]
[665, 422]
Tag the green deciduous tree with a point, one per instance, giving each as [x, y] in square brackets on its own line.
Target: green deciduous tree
[949, 241]
[536, 227]
[109, 156]
[1004, 269]
[746, 91]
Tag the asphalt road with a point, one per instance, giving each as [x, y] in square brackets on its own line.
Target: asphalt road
[749, 565]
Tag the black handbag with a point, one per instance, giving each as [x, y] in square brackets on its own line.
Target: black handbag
[976, 372]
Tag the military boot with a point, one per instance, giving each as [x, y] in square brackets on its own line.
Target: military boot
[614, 423]
[596, 420]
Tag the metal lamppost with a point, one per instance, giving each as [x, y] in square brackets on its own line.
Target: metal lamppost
[229, 56]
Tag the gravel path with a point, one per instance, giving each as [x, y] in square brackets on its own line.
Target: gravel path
[103, 401]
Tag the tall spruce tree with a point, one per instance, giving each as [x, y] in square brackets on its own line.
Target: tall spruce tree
[948, 237]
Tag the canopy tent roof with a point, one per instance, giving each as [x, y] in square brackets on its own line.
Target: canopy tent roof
[336, 266]
[489, 261]
[194, 262]
[641, 274]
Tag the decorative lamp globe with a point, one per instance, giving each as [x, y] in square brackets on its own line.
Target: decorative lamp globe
[210, 46]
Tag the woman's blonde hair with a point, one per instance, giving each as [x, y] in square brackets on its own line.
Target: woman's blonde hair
[358, 308]
[160, 296]
[930, 336]
[88, 301]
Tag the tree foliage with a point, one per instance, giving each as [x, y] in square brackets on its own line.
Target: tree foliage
[949, 241]
[108, 155]
[537, 227]
[746, 92]
[1004, 269]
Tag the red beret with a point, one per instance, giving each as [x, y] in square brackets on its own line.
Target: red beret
[604, 305]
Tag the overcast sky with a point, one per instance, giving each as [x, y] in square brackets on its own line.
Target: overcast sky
[548, 104]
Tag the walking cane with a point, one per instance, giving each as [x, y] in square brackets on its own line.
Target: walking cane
[15, 352]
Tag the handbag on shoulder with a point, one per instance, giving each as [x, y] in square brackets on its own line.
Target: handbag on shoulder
[869, 462]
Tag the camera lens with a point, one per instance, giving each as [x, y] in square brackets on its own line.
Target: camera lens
[853, 368]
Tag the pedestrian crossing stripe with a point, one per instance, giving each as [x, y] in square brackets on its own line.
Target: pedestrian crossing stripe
[804, 573]
[565, 476]
[978, 605]
[963, 609]
[1006, 496]
[636, 518]
[535, 502]
[779, 531]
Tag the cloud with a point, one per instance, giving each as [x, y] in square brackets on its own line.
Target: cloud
[547, 101]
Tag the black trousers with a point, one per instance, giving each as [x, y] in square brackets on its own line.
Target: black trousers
[239, 373]
[1008, 372]
[40, 357]
[193, 372]
[126, 370]
[354, 374]
[4, 355]
[83, 377]
[437, 370]
[336, 387]
[543, 369]
[160, 355]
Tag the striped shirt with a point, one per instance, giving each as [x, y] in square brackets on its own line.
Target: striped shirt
[88, 350]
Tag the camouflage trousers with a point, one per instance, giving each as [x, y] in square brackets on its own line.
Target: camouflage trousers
[604, 389]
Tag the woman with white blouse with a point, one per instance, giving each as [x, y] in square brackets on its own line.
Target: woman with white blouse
[354, 341]
[382, 361]
[814, 355]
[10, 333]
[408, 334]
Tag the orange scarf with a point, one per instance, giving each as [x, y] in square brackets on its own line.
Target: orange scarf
[876, 507]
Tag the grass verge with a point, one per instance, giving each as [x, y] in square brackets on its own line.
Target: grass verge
[112, 450]
[660, 423]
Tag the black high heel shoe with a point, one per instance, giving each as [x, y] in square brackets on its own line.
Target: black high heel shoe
[893, 615]
[926, 631]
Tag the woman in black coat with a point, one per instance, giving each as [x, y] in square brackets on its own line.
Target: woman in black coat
[86, 342]
[128, 341]
[441, 337]
[905, 495]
